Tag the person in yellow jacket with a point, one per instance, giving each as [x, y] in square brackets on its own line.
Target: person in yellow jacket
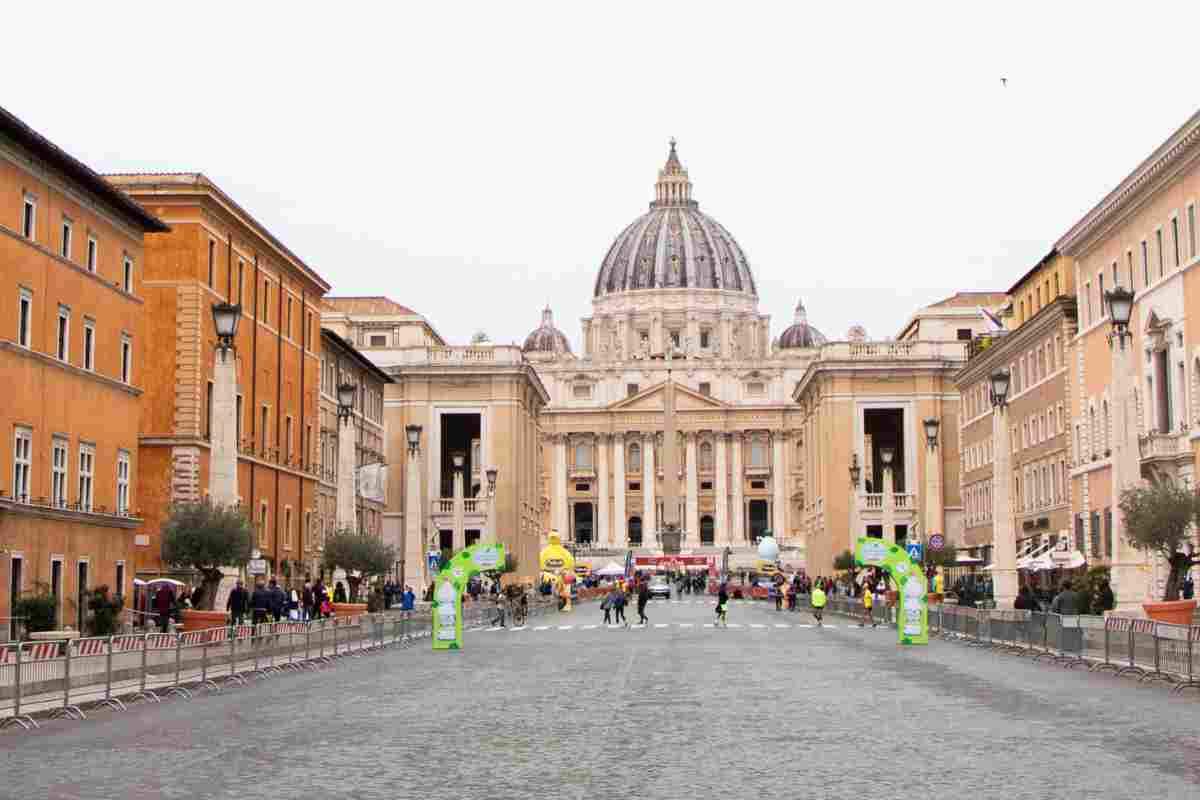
[868, 601]
[818, 603]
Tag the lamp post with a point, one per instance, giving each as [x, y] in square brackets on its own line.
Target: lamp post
[414, 509]
[934, 510]
[346, 501]
[1129, 580]
[491, 473]
[1004, 534]
[886, 455]
[223, 423]
[855, 476]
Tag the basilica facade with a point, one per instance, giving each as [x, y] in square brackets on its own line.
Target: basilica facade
[765, 429]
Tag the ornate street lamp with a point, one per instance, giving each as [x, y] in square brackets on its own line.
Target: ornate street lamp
[886, 454]
[225, 320]
[1120, 306]
[491, 473]
[1000, 380]
[459, 458]
[931, 431]
[413, 432]
[855, 470]
[345, 400]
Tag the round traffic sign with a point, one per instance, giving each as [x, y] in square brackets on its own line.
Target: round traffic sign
[937, 541]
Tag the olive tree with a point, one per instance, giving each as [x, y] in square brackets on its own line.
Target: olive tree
[361, 555]
[205, 537]
[1157, 520]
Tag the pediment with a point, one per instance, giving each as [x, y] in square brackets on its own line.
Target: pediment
[651, 399]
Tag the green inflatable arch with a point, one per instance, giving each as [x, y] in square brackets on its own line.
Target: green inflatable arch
[449, 586]
[912, 616]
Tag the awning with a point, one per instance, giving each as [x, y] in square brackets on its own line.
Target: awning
[967, 560]
[152, 581]
[1067, 559]
[611, 570]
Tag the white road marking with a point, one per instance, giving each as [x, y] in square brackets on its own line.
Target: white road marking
[756, 625]
[661, 625]
[496, 628]
[734, 625]
[542, 628]
[520, 628]
[590, 627]
[685, 624]
[708, 624]
[782, 625]
[565, 627]
[804, 626]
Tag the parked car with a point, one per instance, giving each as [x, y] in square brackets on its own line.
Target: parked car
[659, 587]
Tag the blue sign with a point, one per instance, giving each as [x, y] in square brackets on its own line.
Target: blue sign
[433, 559]
[915, 551]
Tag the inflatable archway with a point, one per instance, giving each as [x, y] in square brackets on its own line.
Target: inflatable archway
[912, 615]
[449, 587]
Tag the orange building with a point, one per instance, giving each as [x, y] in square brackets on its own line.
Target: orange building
[72, 364]
[214, 252]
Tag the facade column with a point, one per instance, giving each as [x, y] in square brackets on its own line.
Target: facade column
[558, 492]
[460, 533]
[779, 521]
[620, 527]
[692, 507]
[935, 514]
[604, 532]
[737, 531]
[889, 505]
[414, 513]
[649, 484]
[1004, 536]
[721, 535]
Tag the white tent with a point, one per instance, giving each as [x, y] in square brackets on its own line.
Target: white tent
[611, 570]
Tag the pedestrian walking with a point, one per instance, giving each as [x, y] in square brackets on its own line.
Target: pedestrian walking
[1067, 601]
[306, 600]
[164, 603]
[238, 603]
[642, 599]
[778, 595]
[722, 608]
[339, 593]
[818, 603]
[606, 606]
[260, 602]
[278, 600]
[881, 598]
[619, 600]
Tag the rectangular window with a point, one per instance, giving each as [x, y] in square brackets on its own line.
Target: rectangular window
[287, 441]
[266, 310]
[265, 420]
[65, 248]
[22, 463]
[126, 359]
[288, 329]
[59, 455]
[1087, 291]
[238, 421]
[704, 334]
[631, 389]
[306, 445]
[379, 341]
[24, 317]
[1158, 245]
[706, 389]
[29, 218]
[127, 275]
[208, 410]
[287, 529]
[120, 582]
[89, 344]
[262, 523]
[212, 262]
[87, 465]
[241, 277]
[1145, 264]
[122, 482]
[92, 253]
[1191, 231]
[1116, 278]
[1129, 266]
[1103, 299]
[62, 350]
[1175, 238]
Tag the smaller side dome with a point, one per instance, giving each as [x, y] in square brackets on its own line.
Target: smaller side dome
[800, 333]
[546, 338]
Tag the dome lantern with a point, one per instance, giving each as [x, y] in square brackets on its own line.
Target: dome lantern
[800, 333]
[546, 338]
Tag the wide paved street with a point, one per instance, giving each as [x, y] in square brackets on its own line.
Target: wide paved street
[662, 712]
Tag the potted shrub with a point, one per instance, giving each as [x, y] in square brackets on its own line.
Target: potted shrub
[37, 609]
[206, 537]
[362, 556]
[105, 611]
[1157, 518]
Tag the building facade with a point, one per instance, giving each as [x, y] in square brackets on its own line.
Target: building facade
[1137, 408]
[72, 356]
[217, 252]
[353, 465]
[1038, 354]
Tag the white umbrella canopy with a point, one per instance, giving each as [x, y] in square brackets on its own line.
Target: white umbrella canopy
[611, 570]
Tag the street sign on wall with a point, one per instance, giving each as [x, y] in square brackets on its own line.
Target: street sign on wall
[915, 551]
[937, 541]
[257, 566]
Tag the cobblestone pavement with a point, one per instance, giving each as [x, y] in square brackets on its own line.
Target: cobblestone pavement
[659, 712]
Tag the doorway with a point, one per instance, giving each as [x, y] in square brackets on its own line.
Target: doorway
[883, 429]
[635, 530]
[14, 592]
[583, 523]
[458, 432]
[706, 530]
[472, 537]
[759, 519]
[81, 590]
[56, 585]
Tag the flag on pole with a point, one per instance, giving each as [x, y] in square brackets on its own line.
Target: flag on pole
[993, 322]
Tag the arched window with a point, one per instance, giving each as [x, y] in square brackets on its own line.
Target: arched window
[1107, 423]
[706, 456]
[1095, 431]
[635, 458]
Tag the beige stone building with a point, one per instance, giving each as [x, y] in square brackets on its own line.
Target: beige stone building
[1036, 349]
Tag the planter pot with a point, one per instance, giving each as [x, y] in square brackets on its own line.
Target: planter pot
[935, 598]
[349, 609]
[196, 620]
[1178, 612]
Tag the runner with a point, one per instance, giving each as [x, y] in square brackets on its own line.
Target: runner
[722, 608]
[818, 603]
[867, 601]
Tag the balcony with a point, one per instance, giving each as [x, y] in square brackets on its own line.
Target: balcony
[1164, 451]
[871, 504]
[475, 511]
[892, 351]
[433, 356]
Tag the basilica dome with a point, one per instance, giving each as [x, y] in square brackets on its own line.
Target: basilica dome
[800, 333]
[674, 245]
[546, 338]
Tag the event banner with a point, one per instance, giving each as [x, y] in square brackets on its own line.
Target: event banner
[912, 613]
[450, 584]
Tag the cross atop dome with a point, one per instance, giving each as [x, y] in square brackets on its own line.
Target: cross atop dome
[673, 187]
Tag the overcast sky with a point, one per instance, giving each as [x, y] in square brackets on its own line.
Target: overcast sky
[475, 161]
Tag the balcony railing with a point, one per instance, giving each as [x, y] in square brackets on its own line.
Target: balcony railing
[1164, 446]
[905, 501]
[50, 504]
[500, 354]
[471, 505]
[873, 501]
[956, 351]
